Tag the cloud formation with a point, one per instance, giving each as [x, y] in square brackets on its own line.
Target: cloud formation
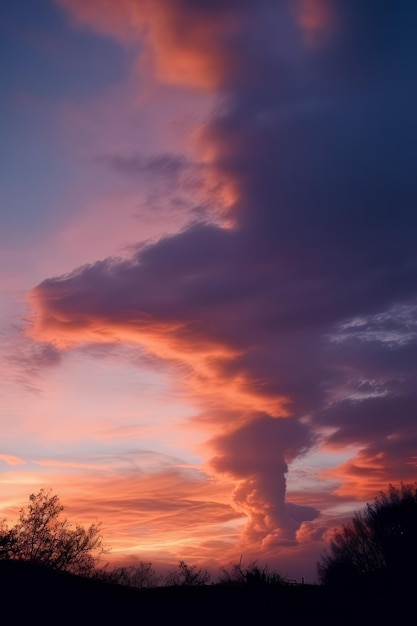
[256, 455]
[188, 43]
[298, 315]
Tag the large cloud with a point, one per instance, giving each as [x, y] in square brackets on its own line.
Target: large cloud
[257, 455]
[317, 145]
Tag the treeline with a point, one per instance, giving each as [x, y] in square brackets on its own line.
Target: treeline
[144, 576]
[378, 545]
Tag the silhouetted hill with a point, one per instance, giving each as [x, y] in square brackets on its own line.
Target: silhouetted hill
[34, 593]
[52, 597]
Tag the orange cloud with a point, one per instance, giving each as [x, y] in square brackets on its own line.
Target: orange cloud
[156, 516]
[187, 43]
[11, 460]
[370, 472]
[178, 342]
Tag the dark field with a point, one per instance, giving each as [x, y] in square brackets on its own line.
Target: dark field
[38, 595]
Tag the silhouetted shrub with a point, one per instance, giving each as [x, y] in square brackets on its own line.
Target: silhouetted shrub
[187, 576]
[250, 575]
[140, 576]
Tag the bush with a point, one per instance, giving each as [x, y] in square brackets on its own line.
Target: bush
[141, 576]
[187, 576]
[250, 575]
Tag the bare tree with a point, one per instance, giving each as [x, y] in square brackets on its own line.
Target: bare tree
[44, 537]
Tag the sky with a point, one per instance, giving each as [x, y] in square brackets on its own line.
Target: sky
[208, 276]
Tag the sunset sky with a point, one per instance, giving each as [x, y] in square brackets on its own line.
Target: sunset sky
[208, 303]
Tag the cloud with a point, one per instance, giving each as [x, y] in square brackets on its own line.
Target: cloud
[162, 512]
[34, 357]
[12, 460]
[174, 183]
[257, 456]
[318, 148]
[168, 166]
[189, 43]
[24, 361]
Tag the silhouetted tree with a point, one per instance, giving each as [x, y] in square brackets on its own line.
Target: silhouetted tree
[379, 542]
[187, 576]
[42, 536]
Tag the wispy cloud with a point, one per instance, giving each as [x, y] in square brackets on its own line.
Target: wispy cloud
[11, 460]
